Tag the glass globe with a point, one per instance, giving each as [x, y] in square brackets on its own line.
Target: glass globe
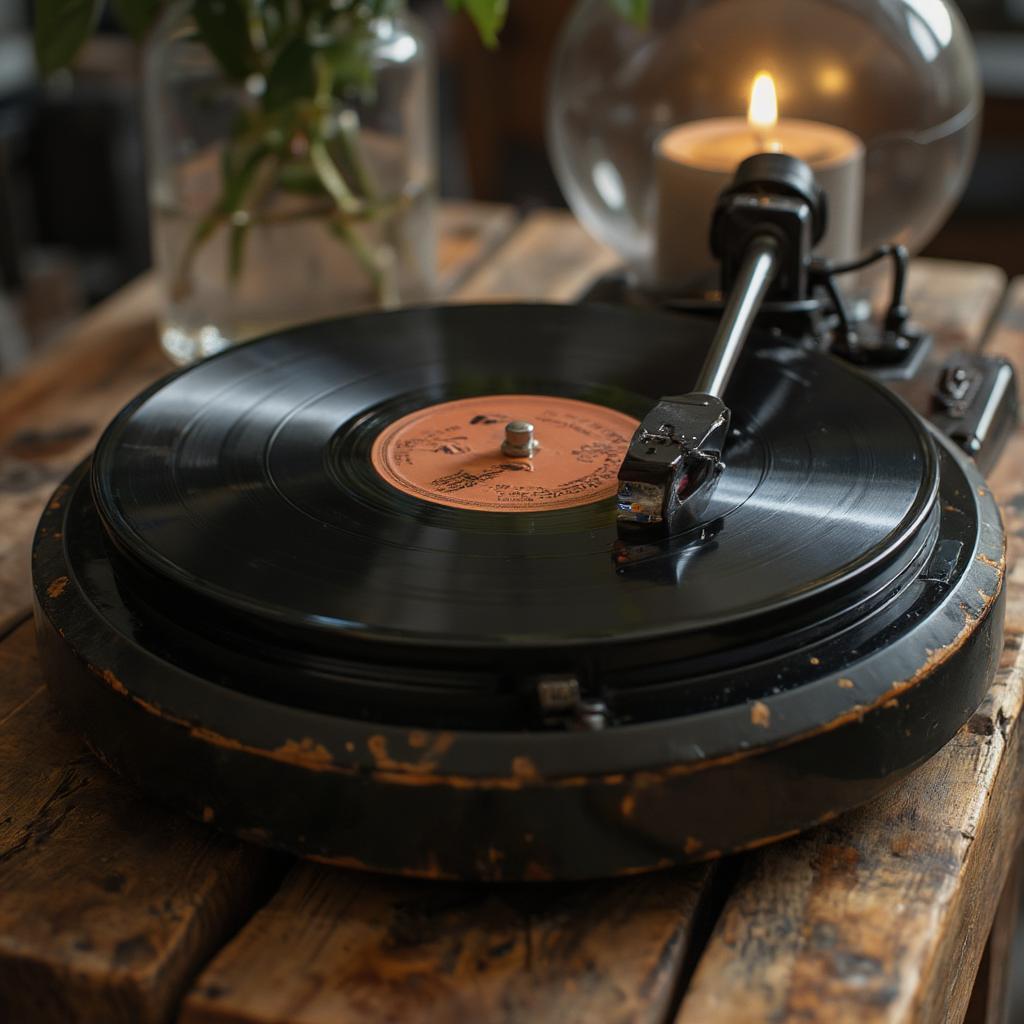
[899, 78]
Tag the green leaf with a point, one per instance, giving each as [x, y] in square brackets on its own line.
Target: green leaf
[386, 8]
[488, 16]
[349, 60]
[637, 11]
[61, 28]
[238, 178]
[224, 28]
[291, 76]
[135, 16]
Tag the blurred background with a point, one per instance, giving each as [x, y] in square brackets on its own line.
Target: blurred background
[73, 220]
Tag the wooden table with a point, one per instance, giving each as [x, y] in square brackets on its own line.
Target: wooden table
[112, 909]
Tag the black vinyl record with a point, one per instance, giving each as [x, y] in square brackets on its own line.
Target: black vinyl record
[248, 480]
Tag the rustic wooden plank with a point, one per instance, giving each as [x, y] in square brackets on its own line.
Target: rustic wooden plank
[550, 258]
[990, 998]
[108, 904]
[1007, 337]
[333, 947]
[470, 233]
[956, 301]
[42, 440]
[883, 915]
[52, 413]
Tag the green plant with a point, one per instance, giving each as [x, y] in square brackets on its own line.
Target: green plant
[298, 60]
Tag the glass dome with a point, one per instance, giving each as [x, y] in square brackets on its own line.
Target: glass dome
[894, 84]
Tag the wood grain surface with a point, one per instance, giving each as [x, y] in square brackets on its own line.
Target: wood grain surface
[884, 914]
[550, 258]
[988, 1003]
[108, 904]
[337, 948]
[113, 910]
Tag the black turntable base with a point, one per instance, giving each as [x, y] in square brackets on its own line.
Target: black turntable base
[303, 594]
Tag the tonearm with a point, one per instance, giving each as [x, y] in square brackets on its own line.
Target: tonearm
[764, 227]
[763, 232]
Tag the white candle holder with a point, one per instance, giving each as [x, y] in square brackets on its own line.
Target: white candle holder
[884, 96]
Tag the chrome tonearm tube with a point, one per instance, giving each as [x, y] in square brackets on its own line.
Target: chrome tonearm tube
[764, 228]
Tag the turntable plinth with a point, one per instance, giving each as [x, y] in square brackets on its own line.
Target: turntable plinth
[110, 906]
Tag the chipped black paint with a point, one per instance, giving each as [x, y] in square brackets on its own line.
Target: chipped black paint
[739, 765]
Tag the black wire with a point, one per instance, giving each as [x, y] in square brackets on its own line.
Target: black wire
[829, 283]
[846, 268]
[896, 317]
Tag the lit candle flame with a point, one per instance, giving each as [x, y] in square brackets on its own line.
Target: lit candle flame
[763, 112]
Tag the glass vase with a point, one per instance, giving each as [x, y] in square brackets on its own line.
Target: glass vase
[267, 214]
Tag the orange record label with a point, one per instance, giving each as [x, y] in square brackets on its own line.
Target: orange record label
[451, 454]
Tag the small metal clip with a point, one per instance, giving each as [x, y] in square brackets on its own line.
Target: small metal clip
[563, 704]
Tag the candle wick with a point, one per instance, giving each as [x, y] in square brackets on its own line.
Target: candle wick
[766, 143]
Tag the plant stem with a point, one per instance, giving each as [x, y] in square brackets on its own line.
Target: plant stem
[381, 272]
[330, 177]
[182, 283]
[264, 179]
[348, 138]
[257, 31]
[248, 184]
[326, 210]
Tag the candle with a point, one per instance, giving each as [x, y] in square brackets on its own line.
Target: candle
[695, 161]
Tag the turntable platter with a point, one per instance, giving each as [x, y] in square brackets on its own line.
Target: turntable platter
[300, 591]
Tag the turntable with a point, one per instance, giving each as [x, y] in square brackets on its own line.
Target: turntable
[459, 592]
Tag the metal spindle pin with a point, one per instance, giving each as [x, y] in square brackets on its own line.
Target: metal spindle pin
[519, 441]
